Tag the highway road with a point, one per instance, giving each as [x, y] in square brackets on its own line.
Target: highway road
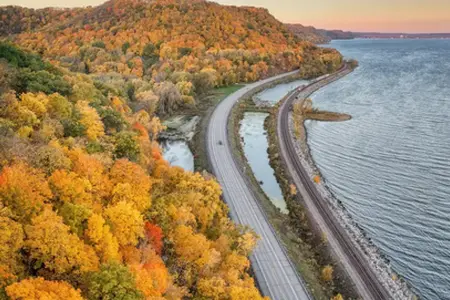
[353, 261]
[275, 274]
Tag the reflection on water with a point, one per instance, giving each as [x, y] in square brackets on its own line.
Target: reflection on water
[177, 153]
[255, 149]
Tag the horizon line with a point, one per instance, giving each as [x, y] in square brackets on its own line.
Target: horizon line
[284, 22]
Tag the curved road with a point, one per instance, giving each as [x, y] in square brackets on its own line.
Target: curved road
[275, 274]
[357, 267]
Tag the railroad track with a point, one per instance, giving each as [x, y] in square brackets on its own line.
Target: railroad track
[353, 261]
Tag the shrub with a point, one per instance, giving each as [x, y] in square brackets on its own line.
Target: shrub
[127, 146]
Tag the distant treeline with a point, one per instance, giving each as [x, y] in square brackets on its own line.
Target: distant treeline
[375, 35]
[322, 36]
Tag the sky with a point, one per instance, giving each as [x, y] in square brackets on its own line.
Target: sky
[406, 16]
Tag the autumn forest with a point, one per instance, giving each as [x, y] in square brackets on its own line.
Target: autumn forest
[89, 209]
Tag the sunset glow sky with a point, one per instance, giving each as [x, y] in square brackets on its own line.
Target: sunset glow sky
[356, 15]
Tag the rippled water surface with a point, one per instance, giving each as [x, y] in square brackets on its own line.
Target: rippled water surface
[390, 165]
[255, 149]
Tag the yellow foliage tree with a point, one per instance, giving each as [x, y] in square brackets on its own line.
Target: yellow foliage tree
[292, 189]
[246, 242]
[24, 131]
[141, 117]
[223, 244]
[105, 243]
[185, 87]
[208, 262]
[91, 168]
[194, 191]
[91, 120]
[38, 288]
[11, 242]
[180, 215]
[23, 190]
[245, 290]
[337, 297]
[50, 242]
[233, 266]
[188, 245]
[119, 105]
[212, 288]
[126, 222]
[131, 184]
[35, 102]
[25, 117]
[71, 188]
[327, 273]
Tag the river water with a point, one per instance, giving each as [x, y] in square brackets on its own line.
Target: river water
[177, 153]
[390, 164]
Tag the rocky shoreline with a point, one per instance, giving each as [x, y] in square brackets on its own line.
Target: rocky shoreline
[397, 287]
[180, 128]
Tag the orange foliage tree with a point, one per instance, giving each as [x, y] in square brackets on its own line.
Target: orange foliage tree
[24, 190]
[154, 234]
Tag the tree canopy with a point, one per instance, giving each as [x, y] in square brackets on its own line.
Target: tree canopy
[214, 45]
[88, 206]
[100, 214]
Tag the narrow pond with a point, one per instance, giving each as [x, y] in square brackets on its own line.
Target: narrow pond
[255, 145]
[273, 95]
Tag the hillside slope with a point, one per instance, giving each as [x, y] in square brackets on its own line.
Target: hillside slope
[89, 209]
[309, 33]
[157, 38]
[16, 19]
[319, 36]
